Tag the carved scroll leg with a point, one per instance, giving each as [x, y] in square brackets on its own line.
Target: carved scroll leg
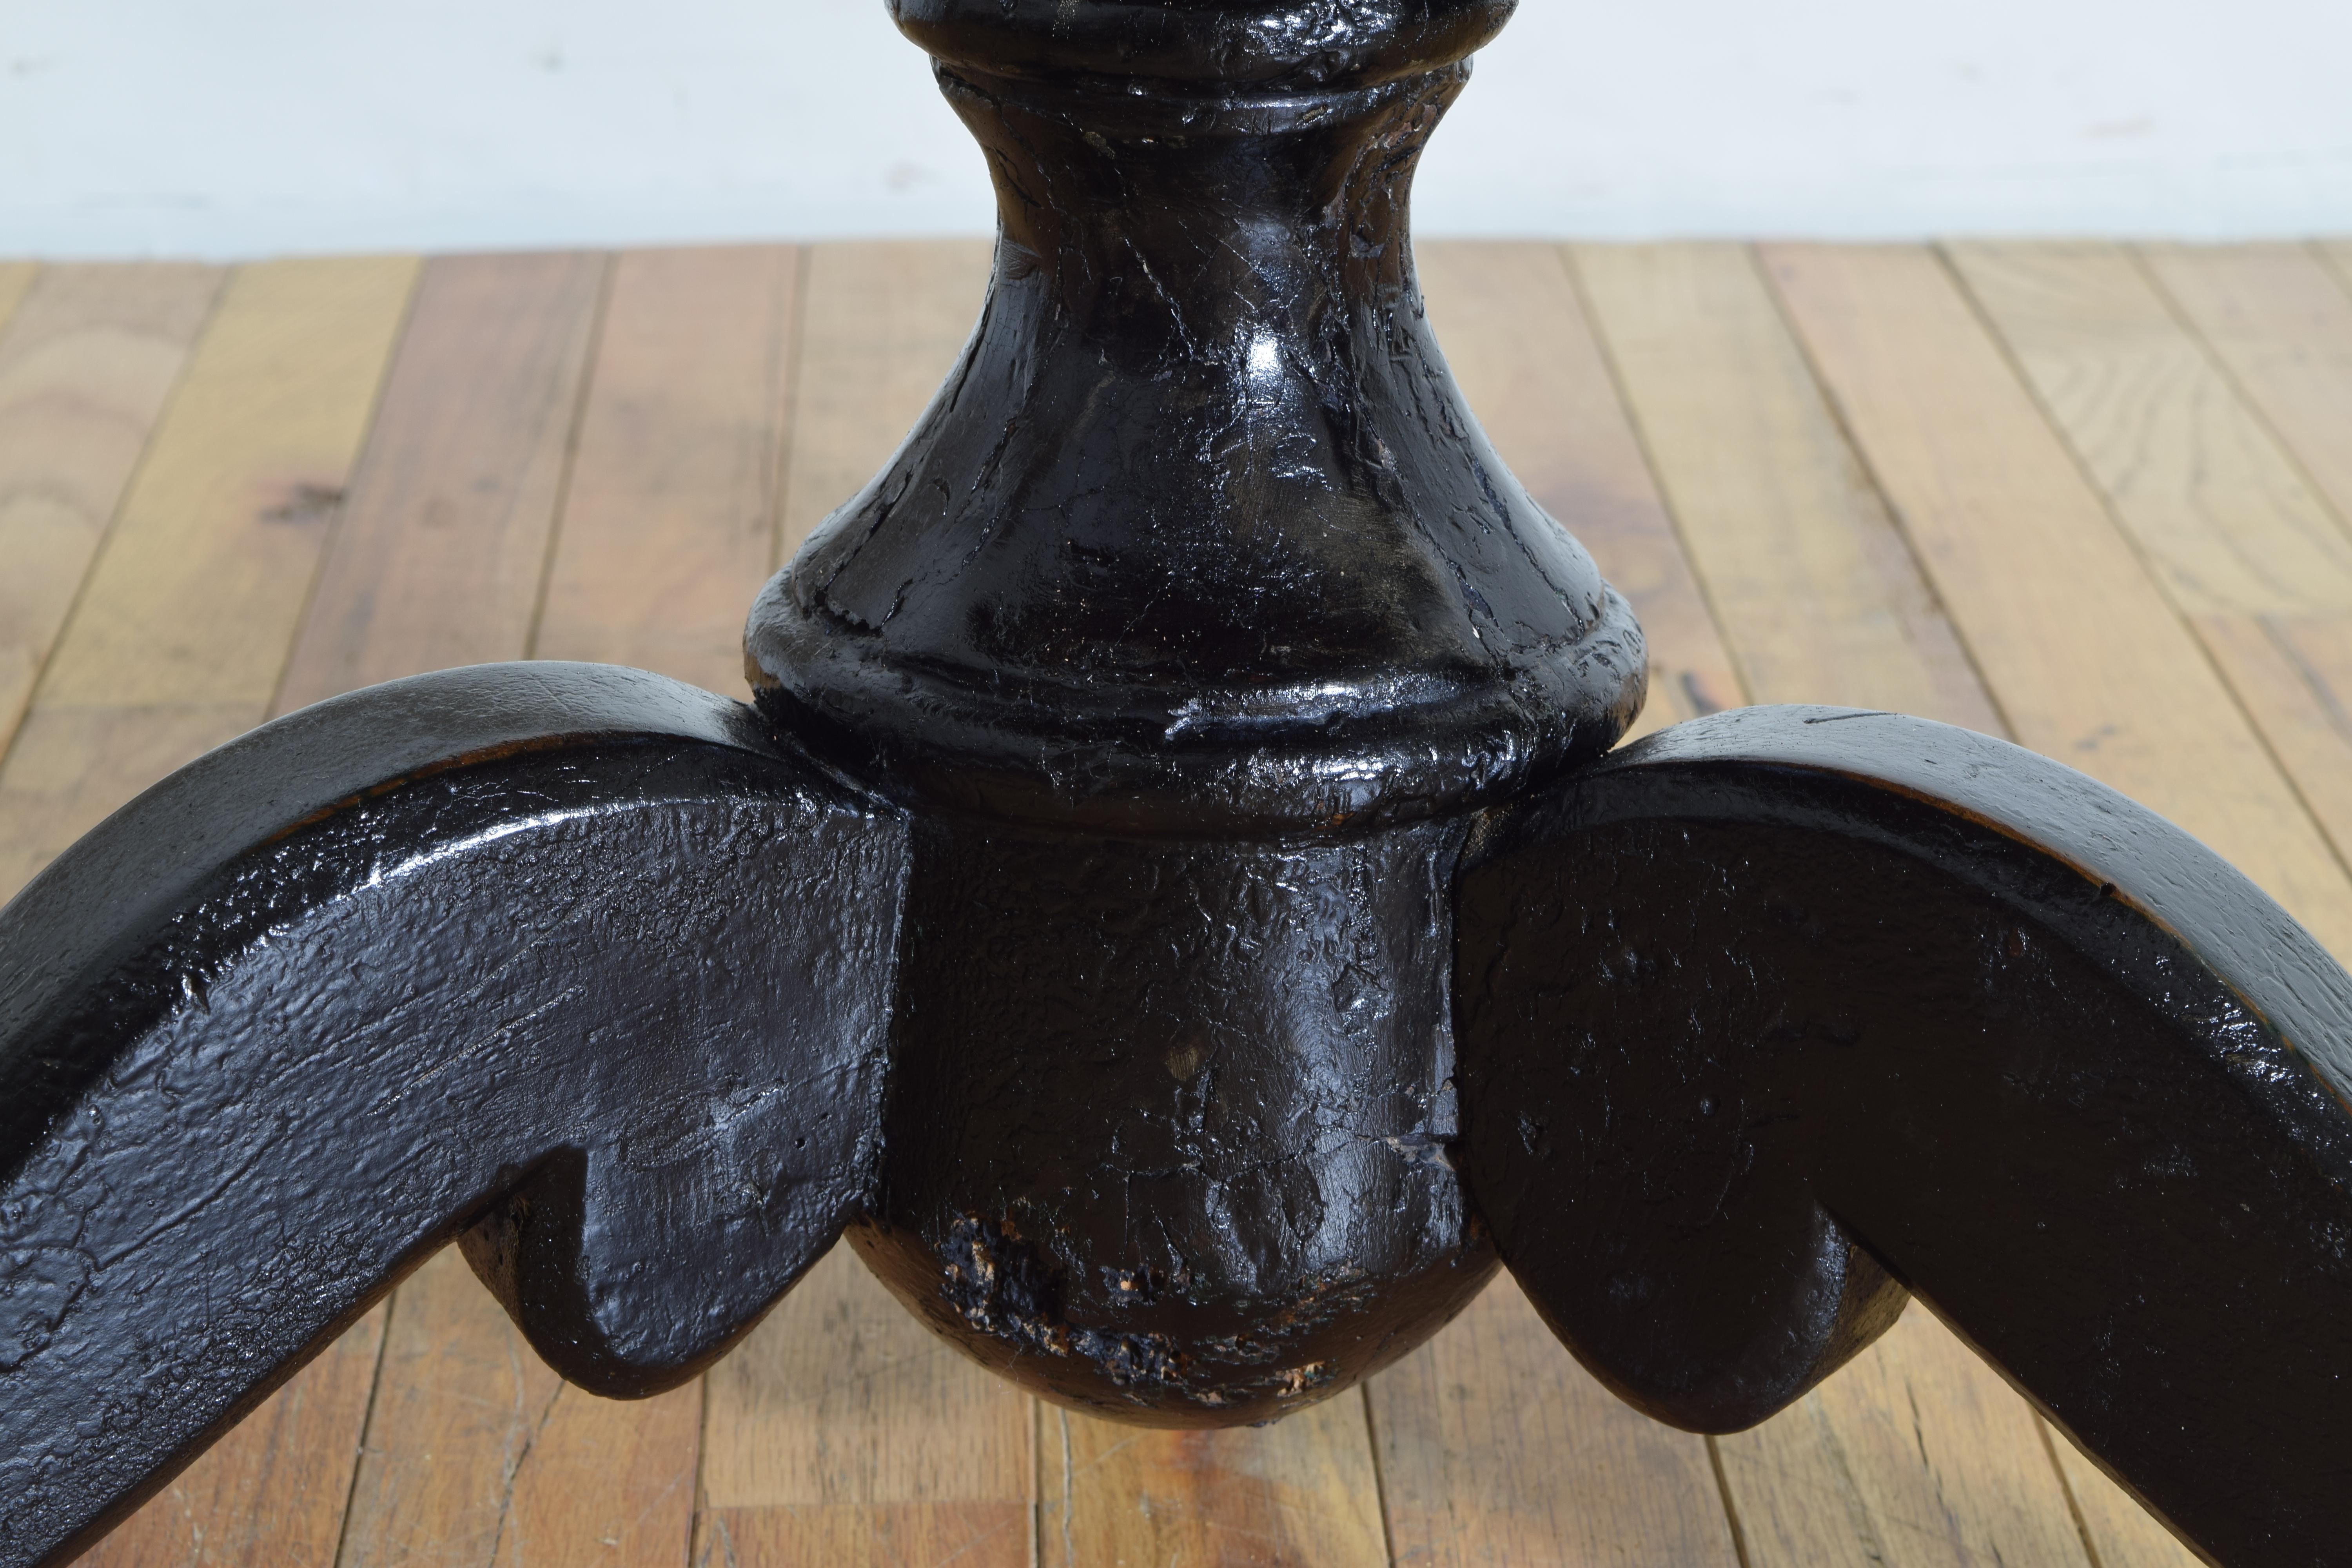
[1784, 1002]
[574, 956]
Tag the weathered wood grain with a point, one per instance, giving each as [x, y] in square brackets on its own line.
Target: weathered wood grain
[180, 629]
[2012, 532]
[87, 360]
[1496, 1449]
[442, 547]
[2279, 320]
[2243, 546]
[1301, 1493]
[670, 516]
[843, 1431]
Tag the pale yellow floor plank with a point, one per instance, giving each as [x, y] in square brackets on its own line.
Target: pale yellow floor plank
[2279, 318]
[2078, 644]
[2123, 1533]
[1301, 1493]
[181, 631]
[273, 1490]
[2337, 254]
[1820, 597]
[1495, 1445]
[439, 559]
[2113, 679]
[16, 279]
[2254, 557]
[2278, 321]
[478, 1457]
[1912, 1455]
[86, 361]
[2244, 546]
[1821, 602]
[1496, 1449]
[670, 516]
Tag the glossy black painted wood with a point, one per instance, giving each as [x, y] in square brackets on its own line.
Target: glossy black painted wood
[1780, 1007]
[1174, 904]
[1199, 537]
[1168, 1125]
[569, 959]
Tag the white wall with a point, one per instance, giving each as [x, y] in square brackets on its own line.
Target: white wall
[243, 127]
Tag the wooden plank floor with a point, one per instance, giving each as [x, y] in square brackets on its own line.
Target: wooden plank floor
[2091, 497]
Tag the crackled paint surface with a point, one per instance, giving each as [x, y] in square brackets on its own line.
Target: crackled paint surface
[1174, 907]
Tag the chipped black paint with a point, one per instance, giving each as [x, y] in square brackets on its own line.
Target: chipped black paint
[1171, 907]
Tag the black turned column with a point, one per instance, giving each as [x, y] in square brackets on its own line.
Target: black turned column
[1200, 611]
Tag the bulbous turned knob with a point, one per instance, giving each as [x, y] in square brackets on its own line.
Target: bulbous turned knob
[1199, 537]
[1229, 44]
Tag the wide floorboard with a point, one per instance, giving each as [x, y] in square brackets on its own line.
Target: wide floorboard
[2091, 497]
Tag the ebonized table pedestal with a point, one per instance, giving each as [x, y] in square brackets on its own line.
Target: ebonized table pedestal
[1175, 905]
